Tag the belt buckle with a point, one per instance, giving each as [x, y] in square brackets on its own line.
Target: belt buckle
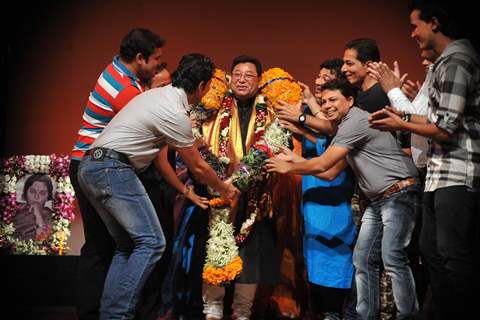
[98, 154]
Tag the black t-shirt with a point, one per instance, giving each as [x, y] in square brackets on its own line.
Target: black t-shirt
[374, 99]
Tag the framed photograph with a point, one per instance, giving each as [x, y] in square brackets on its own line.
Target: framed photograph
[36, 203]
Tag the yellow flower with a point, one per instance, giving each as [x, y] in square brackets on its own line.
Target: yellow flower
[213, 98]
[277, 84]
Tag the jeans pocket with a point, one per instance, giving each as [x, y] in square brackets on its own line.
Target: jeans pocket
[98, 184]
[128, 182]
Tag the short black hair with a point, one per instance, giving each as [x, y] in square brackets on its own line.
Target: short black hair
[450, 15]
[245, 59]
[139, 40]
[367, 49]
[192, 69]
[344, 86]
[335, 67]
[41, 178]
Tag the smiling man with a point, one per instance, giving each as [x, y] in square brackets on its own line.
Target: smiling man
[259, 252]
[359, 53]
[388, 178]
[450, 231]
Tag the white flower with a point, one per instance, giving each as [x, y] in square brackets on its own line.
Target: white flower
[260, 99]
[224, 132]
[64, 185]
[221, 246]
[275, 137]
[37, 164]
[224, 115]
[8, 183]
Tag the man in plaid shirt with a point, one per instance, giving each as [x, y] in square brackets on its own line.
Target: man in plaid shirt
[452, 190]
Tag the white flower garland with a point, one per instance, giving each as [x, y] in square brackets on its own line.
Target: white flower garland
[221, 246]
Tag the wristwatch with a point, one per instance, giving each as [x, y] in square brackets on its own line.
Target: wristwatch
[406, 117]
[302, 118]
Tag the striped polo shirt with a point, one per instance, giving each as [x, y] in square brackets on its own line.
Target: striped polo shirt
[115, 87]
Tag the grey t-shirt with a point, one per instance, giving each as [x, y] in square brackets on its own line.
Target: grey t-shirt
[375, 156]
[149, 121]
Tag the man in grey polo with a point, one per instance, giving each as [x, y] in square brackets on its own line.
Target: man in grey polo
[107, 175]
[388, 177]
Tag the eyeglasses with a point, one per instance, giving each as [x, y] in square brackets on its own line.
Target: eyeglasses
[246, 76]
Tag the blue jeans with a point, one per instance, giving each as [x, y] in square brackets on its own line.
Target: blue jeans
[123, 204]
[385, 233]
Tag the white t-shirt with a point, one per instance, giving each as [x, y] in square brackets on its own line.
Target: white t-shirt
[149, 121]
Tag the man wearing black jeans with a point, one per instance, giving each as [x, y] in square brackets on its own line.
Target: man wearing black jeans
[450, 233]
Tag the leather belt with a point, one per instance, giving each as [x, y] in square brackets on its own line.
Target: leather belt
[402, 184]
[99, 154]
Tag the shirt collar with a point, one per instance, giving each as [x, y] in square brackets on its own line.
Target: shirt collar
[457, 46]
[122, 68]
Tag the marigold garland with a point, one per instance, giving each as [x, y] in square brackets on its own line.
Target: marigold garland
[222, 263]
[218, 88]
[277, 84]
[219, 202]
[222, 276]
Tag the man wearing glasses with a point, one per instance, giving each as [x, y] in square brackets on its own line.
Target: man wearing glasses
[259, 251]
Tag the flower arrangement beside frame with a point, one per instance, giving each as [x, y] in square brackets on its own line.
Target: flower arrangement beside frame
[36, 205]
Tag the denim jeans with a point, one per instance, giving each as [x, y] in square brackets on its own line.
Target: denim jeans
[123, 204]
[385, 233]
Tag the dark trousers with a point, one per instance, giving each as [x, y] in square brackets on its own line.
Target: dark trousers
[418, 268]
[449, 244]
[326, 299]
[97, 252]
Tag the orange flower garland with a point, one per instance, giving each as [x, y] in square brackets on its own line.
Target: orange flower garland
[219, 202]
[220, 276]
[213, 98]
[277, 84]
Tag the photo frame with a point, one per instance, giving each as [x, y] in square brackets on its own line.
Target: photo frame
[36, 205]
